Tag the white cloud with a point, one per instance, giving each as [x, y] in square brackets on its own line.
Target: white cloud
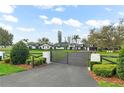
[121, 13]
[108, 9]
[60, 9]
[55, 20]
[10, 18]
[7, 9]
[43, 17]
[78, 30]
[73, 23]
[6, 26]
[98, 23]
[45, 6]
[58, 21]
[24, 29]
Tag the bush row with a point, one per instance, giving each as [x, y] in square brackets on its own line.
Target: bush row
[37, 61]
[40, 61]
[104, 70]
[93, 63]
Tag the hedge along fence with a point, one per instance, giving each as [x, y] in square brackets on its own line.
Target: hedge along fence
[104, 70]
[106, 59]
[109, 59]
[36, 59]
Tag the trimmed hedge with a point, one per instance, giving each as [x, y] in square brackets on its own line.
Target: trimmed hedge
[93, 63]
[120, 67]
[104, 70]
[39, 61]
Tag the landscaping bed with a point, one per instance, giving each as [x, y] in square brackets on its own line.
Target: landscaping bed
[113, 81]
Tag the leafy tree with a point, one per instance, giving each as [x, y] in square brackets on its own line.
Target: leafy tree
[110, 36]
[6, 38]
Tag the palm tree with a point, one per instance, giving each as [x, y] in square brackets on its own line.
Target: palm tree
[44, 40]
[85, 42]
[26, 41]
[76, 37]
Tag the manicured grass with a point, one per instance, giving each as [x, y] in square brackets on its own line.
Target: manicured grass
[8, 69]
[108, 84]
[109, 54]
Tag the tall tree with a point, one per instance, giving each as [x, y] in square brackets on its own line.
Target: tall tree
[26, 41]
[59, 37]
[76, 37]
[110, 36]
[85, 43]
[6, 38]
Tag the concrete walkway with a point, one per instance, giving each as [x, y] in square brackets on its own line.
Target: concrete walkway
[53, 75]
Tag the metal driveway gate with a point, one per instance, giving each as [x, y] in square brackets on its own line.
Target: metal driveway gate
[71, 58]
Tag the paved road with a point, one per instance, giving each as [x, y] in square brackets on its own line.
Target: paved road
[53, 75]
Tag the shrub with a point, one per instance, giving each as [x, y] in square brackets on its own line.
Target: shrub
[39, 61]
[19, 53]
[106, 70]
[120, 66]
[6, 60]
[93, 63]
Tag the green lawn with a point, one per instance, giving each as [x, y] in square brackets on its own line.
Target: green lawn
[110, 54]
[8, 69]
[108, 84]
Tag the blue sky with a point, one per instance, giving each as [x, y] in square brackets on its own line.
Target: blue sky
[33, 22]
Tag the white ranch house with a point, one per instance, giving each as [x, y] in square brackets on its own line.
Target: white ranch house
[63, 45]
[45, 46]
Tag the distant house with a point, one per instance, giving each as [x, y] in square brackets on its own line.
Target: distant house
[74, 46]
[33, 45]
[45, 46]
[62, 45]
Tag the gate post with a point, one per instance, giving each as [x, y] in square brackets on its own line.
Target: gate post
[47, 56]
[32, 61]
[67, 57]
[51, 55]
[101, 58]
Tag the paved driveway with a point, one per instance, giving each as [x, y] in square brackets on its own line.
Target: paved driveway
[53, 75]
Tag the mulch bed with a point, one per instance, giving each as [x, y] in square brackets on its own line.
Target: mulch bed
[113, 79]
[25, 66]
[28, 67]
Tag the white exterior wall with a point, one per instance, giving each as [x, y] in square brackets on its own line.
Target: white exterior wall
[45, 46]
[2, 54]
[47, 56]
[33, 47]
[59, 47]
